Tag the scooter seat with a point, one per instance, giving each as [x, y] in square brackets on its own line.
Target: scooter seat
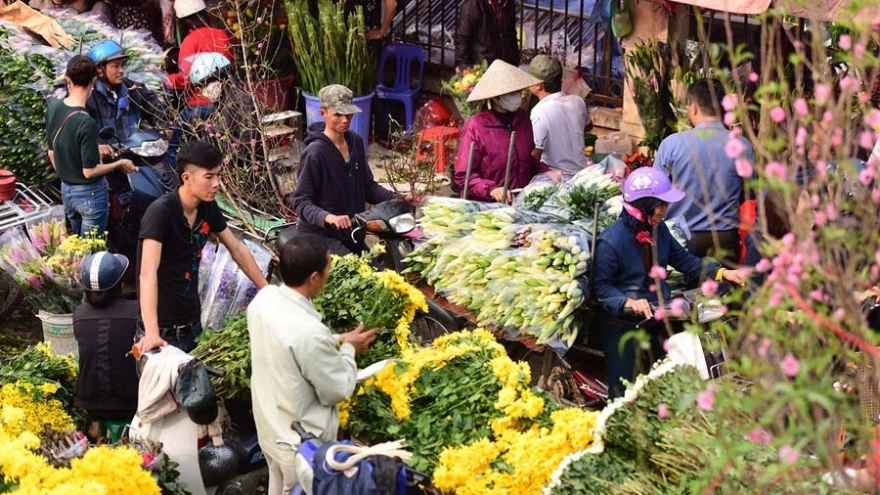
[284, 236]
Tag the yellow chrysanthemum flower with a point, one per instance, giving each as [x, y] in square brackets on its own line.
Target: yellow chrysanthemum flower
[41, 412]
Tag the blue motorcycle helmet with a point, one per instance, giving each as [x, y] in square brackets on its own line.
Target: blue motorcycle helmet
[106, 51]
[103, 270]
[206, 65]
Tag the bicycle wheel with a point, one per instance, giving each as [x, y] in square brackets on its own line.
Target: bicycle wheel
[437, 322]
[425, 329]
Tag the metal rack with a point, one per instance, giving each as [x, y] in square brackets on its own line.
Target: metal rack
[28, 204]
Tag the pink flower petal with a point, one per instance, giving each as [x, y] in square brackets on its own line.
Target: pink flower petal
[729, 102]
[801, 107]
[658, 272]
[662, 410]
[744, 167]
[788, 455]
[709, 288]
[776, 170]
[734, 148]
[777, 114]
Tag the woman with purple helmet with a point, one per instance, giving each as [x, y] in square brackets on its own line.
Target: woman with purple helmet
[624, 274]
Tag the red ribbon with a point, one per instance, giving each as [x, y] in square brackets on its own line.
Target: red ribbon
[644, 237]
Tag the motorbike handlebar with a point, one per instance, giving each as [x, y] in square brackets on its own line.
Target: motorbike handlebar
[299, 430]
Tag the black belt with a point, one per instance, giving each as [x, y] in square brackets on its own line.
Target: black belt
[177, 330]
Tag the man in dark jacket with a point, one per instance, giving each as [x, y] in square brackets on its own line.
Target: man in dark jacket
[117, 101]
[486, 31]
[335, 180]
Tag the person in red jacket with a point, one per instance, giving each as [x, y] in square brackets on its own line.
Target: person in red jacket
[491, 130]
[200, 38]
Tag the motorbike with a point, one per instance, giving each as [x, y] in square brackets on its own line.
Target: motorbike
[131, 194]
[232, 466]
[328, 468]
[585, 363]
[393, 223]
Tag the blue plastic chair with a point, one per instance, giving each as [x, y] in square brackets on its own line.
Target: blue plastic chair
[403, 89]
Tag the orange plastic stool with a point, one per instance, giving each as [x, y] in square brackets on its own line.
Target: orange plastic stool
[436, 140]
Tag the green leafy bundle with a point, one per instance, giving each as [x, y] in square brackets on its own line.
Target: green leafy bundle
[38, 365]
[228, 349]
[331, 48]
[451, 406]
[451, 401]
[23, 128]
[354, 294]
[658, 440]
[582, 199]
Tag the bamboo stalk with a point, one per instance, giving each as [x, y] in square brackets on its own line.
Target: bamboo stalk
[509, 165]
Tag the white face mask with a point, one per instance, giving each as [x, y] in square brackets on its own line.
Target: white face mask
[509, 102]
[212, 91]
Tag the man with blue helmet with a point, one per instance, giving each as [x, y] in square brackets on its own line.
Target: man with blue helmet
[117, 101]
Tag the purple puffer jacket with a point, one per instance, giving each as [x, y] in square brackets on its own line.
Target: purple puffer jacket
[492, 140]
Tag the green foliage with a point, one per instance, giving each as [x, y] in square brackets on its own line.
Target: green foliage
[649, 70]
[37, 365]
[168, 478]
[228, 349]
[597, 474]
[451, 406]
[23, 128]
[350, 298]
[582, 199]
[332, 48]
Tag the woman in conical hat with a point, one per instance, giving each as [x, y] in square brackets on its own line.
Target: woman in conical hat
[490, 130]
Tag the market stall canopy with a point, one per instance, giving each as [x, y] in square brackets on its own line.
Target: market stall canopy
[45, 26]
[822, 10]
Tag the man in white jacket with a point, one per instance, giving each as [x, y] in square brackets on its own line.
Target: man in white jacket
[300, 370]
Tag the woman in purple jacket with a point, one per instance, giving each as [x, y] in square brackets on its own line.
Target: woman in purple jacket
[491, 129]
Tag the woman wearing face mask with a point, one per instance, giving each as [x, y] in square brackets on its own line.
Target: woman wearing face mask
[625, 254]
[233, 115]
[491, 129]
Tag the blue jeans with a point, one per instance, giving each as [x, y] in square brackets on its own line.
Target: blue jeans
[86, 206]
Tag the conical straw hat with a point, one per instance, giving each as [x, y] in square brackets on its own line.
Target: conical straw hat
[501, 78]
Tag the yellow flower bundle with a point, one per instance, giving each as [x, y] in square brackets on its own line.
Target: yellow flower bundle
[385, 301]
[517, 461]
[470, 417]
[40, 412]
[101, 471]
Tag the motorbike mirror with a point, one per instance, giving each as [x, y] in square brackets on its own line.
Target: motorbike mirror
[403, 224]
[710, 310]
[107, 132]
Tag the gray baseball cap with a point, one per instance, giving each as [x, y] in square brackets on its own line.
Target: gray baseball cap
[338, 97]
[545, 68]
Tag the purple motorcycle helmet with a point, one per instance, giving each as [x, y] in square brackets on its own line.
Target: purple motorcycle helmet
[648, 182]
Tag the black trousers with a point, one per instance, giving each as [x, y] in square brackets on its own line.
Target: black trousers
[723, 245]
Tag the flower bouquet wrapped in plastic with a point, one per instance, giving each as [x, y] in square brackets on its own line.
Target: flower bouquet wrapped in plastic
[22, 262]
[220, 290]
[206, 261]
[246, 289]
[461, 85]
[47, 233]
